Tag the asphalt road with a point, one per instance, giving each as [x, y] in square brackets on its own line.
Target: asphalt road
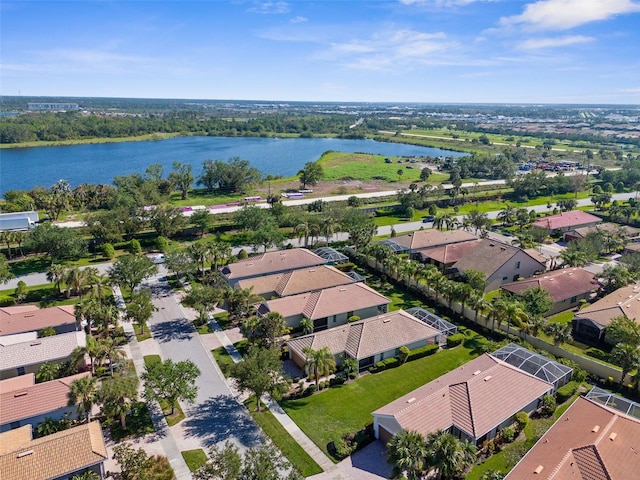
[216, 415]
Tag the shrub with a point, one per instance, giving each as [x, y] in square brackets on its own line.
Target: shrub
[108, 251]
[508, 434]
[353, 318]
[372, 369]
[242, 254]
[522, 418]
[565, 392]
[380, 366]
[135, 247]
[548, 404]
[423, 352]
[345, 267]
[162, 244]
[342, 448]
[339, 379]
[596, 353]
[309, 391]
[455, 340]
[7, 301]
[404, 353]
[391, 362]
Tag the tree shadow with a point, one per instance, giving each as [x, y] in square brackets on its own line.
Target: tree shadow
[179, 329]
[159, 290]
[219, 418]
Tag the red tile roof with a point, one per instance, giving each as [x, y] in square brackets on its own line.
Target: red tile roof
[30, 318]
[475, 398]
[432, 237]
[297, 281]
[588, 442]
[446, 254]
[574, 218]
[37, 399]
[272, 262]
[561, 284]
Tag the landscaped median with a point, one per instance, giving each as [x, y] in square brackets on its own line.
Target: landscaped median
[336, 412]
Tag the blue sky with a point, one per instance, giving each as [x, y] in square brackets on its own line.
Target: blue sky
[533, 51]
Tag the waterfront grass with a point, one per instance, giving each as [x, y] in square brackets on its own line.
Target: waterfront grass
[332, 413]
[291, 449]
[89, 141]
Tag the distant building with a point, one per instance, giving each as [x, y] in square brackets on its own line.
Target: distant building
[18, 220]
[51, 107]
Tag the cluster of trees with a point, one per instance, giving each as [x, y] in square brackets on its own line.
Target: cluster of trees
[624, 333]
[488, 166]
[537, 183]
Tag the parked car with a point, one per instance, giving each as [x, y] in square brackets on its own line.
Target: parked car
[428, 219]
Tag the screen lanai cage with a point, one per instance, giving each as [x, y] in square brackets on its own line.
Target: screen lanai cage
[535, 364]
[445, 328]
[395, 247]
[331, 255]
[615, 402]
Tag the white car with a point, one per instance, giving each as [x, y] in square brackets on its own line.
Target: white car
[157, 258]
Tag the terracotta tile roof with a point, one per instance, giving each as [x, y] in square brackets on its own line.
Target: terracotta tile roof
[611, 228]
[37, 399]
[488, 256]
[561, 284]
[41, 350]
[447, 254]
[367, 337]
[432, 238]
[574, 218]
[297, 281]
[29, 318]
[52, 456]
[16, 383]
[475, 397]
[272, 262]
[624, 301]
[588, 442]
[323, 303]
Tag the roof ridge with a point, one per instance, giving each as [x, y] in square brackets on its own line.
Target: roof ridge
[594, 450]
[312, 303]
[284, 280]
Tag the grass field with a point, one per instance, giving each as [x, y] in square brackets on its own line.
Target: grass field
[194, 458]
[291, 449]
[141, 138]
[328, 415]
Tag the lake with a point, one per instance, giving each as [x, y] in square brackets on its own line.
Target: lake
[24, 168]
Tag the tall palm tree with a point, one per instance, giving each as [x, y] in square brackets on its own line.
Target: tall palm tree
[408, 270]
[56, 274]
[478, 304]
[561, 332]
[198, 253]
[75, 279]
[307, 326]
[510, 311]
[627, 356]
[110, 350]
[448, 456]
[465, 292]
[319, 362]
[408, 452]
[82, 392]
[328, 226]
[428, 274]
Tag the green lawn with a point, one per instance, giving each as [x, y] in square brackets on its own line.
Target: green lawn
[178, 414]
[141, 336]
[564, 317]
[291, 449]
[194, 458]
[332, 413]
[399, 296]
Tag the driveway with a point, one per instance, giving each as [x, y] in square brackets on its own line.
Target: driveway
[215, 416]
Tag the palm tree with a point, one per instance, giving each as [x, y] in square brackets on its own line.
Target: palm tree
[561, 332]
[240, 301]
[48, 371]
[88, 475]
[627, 356]
[507, 216]
[198, 253]
[574, 257]
[110, 350]
[478, 220]
[536, 324]
[92, 348]
[428, 274]
[307, 326]
[408, 452]
[393, 264]
[408, 270]
[511, 311]
[464, 294]
[478, 304]
[82, 392]
[448, 456]
[328, 226]
[75, 279]
[56, 274]
[319, 362]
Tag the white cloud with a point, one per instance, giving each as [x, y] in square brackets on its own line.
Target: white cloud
[554, 42]
[299, 19]
[566, 14]
[270, 7]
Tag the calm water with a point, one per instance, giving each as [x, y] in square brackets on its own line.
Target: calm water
[23, 168]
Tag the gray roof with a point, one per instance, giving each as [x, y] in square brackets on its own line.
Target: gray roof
[47, 349]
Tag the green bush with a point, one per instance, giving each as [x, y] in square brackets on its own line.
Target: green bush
[391, 362]
[404, 353]
[135, 247]
[7, 301]
[522, 418]
[380, 366]
[345, 267]
[421, 352]
[353, 318]
[162, 244]
[108, 251]
[565, 392]
[508, 434]
[596, 353]
[455, 340]
[548, 404]
[339, 379]
[242, 254]
[342, 448]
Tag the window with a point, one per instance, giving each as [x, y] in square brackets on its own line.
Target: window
[349, 314]
[516, 277]
[335, 317]
[504, 279]
[382, 309]
[21, 371]
[517, 264]
[574, 299]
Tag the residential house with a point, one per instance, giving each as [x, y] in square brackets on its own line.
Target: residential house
[26, 357]
[589, 441]
[590, 324]
[566, 287]
[473, 402]
[411, 243]
[445, 256]
[270, 263]
[367, 341]
[625, 232]
[296, 281]
[25, 402]
[30, 318]
[566, 221]
[329, 307]
[501, 263]
[59, 456]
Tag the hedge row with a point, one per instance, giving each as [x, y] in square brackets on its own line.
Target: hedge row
[565, 392]
[455, 340]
